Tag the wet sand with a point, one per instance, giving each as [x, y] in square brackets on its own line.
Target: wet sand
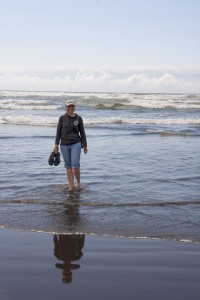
[46, 266]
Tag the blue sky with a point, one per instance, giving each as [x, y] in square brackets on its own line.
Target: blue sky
[100, 45]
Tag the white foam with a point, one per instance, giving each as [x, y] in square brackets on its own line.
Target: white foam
[23, 102]
[48, 121]
[185, 241]
[135, 121]
[29, 107]
[150, 101]
[29, 120]
[31, 93]
[154, 101]
[10, 104]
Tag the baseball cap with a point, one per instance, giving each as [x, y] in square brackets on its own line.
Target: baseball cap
[69, 102]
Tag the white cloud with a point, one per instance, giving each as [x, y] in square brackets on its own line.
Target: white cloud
[102, 79]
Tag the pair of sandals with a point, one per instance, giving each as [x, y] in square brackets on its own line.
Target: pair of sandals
[54, 159]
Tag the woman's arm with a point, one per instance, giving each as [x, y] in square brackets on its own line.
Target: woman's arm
[58, 135]
[83, 135]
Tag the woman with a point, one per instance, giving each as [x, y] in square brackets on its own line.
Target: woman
[71, 136]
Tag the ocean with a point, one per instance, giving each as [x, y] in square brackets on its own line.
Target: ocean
[141, 175]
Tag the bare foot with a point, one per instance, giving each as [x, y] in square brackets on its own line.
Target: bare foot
[71, 188]
[79, 186]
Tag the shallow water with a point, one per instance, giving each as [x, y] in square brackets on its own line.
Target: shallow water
[140, 180]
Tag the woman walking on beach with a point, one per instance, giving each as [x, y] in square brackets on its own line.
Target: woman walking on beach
[71, 137]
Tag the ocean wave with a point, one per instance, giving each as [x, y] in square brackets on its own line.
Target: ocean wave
[111, 106]
[172, 133]
[146, 105]
[143, 101]
[48, 121]
[29, 120]
[22, 102]
[29, 94]
[27, 105]
[140, 121]
[17, 100]
[38, 107]
[118, 106]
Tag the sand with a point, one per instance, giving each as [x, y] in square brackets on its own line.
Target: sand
[46, 266]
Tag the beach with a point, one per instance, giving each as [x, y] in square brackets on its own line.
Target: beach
[119, 83]
[34, 266]
[132, 231]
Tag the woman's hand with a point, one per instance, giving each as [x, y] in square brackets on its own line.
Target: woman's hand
[85, 149]
[56, 149]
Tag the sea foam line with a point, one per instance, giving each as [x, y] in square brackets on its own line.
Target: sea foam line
[49, 121]
[106, 235]
[29, 107]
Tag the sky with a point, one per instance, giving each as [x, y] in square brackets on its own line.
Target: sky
[139, 46]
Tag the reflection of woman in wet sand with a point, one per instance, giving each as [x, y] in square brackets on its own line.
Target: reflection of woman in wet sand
[68, 248]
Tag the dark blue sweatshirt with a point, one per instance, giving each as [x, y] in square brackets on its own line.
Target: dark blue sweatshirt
[70, 130]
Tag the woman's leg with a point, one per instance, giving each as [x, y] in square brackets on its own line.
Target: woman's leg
[70, 176]
[66, 153]
[75, 158]
[77, 176]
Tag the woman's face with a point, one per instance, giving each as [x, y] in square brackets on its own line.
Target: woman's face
[70, 109]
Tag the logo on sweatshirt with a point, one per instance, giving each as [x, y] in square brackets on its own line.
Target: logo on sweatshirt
[76, 122]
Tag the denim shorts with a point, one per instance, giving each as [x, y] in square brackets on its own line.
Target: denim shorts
[71, 155]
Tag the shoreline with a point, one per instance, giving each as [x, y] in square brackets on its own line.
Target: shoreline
[106, 235]
[100, 267]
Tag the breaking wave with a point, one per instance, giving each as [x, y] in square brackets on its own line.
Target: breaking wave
[48, 121]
